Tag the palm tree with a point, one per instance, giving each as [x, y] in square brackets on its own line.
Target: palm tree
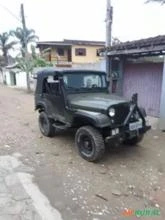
[23, 36]
[6, 45]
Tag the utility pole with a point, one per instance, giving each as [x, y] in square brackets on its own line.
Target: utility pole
[25, 52]
[24, 27]
[109, 18]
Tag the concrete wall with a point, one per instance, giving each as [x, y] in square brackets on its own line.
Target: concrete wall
[8, 78]
[1, 77]
[100, 65]
[21, 80]
[5, 76]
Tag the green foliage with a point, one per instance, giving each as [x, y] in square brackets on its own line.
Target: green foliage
[27, 62]
[6, 45]
[40, 62]
[25, 65]
[31, 61]
[24, 37]
[28, 35]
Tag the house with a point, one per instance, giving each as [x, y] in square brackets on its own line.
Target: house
[137, 67]
[13, 77]
[16, 78]
[70, 52]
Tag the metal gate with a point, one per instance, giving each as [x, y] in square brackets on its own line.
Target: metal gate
[146, 80]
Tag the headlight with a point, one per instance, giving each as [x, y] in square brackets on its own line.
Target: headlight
[111, 112]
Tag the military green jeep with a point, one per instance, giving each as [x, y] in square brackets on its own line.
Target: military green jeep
[79, 99]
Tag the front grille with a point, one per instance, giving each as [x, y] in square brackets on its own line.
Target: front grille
[122, 111]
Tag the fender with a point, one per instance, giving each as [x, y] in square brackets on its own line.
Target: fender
[41, 105]
[96, 119]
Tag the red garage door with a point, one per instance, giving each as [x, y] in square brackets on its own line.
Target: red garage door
[146, 80]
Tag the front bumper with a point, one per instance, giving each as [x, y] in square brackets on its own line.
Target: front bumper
[130, 129]
[123, 133]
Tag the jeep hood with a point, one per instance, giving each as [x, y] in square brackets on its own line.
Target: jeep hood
[94, 101]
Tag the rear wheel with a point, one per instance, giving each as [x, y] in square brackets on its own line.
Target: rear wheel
[46, 125]
[134, 140]
[90, 143]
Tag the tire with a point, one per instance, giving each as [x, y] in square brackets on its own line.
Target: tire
[46, 125]
[90, 144]
[134, 140]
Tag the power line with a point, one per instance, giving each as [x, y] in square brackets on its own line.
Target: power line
[11, 13]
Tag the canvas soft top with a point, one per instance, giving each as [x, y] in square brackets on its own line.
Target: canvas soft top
[45, 72]
[51, 71]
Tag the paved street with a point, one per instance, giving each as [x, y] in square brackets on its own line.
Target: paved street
[44, 178]
[20, 198]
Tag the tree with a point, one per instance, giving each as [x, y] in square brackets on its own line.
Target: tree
[6, 45]
[159, 1]
[2, 61]
[28, 63]
[25, 36]
[38, 60]
[21, 35]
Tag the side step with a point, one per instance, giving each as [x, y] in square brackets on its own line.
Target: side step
[60, 126]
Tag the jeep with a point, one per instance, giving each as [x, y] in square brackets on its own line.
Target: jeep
[80, 99]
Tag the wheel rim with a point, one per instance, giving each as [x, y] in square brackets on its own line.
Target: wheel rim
[86, 145]
[43, 124]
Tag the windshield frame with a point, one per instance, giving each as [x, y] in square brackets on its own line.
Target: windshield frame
[86, 90]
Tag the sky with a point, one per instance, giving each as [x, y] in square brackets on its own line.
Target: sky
[85, 19]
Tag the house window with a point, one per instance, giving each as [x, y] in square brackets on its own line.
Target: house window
[80, 51]
[60, 51]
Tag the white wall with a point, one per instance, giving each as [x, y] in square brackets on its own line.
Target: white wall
[100, 65]
[21, 80]
[7, 76]
[8, 79]
[1, 77]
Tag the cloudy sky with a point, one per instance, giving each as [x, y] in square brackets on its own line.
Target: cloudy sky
[84, 19]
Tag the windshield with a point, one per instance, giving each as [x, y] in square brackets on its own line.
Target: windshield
[85, 81]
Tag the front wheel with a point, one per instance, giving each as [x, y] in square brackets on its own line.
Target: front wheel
[134, 140]
[46, 125]
[90, 143]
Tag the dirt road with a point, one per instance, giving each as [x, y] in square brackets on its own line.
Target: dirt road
[127, 177]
